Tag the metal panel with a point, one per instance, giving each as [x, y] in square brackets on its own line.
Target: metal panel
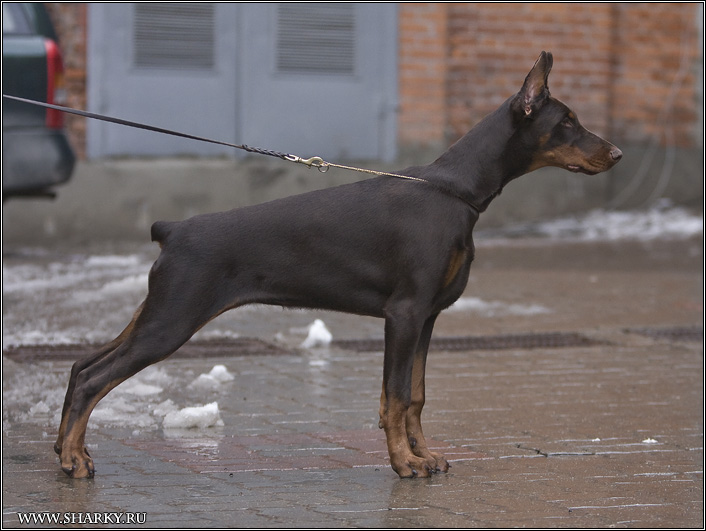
[307, 78]
[334, 92]
[138, 72]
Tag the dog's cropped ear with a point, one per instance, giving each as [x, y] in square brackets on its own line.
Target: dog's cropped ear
[536, 87]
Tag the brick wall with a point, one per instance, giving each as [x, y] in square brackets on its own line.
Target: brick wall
[69, 20]
[627, 69]
[423, 71]
[654, 92]
[493, 46]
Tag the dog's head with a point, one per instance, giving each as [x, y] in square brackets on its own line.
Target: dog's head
[552, 132]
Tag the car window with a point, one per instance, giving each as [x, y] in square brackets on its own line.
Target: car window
[14, 20]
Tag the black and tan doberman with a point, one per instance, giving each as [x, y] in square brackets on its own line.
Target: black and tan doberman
[399, 249]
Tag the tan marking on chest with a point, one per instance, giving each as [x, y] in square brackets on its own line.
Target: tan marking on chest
[458, 258]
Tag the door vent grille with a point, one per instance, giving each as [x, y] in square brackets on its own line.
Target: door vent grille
[173, 36]
[315, 38]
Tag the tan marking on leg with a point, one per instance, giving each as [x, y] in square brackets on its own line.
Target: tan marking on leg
[105, 349]
[75, 460]
[402, 459]
[415, 434]
[414, 425]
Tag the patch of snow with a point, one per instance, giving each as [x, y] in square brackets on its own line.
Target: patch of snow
[318, 336]
[601, 225]
[193, 417]
[493, 308]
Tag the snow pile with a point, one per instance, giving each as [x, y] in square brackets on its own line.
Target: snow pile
[113, 260]
[219, 374]
[493, 308]
[35, 394]
[318, 336]
[71, 298]
[193, 417]
[122, 410]
[601, 225]
[32, 393]
[138, 388]
[132, 402]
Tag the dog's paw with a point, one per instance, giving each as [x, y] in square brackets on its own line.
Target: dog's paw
[78, 464]
[434, 461]
[440, 464]
[413, 467]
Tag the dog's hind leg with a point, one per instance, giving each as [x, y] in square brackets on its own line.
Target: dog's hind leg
[177, 305]
[152, 339]
[402, 337]
[80, 365]
[415, 435]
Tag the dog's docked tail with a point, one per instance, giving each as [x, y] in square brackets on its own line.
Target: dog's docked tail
[160, 231]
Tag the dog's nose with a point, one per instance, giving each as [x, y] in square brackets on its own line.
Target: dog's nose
[616, 154]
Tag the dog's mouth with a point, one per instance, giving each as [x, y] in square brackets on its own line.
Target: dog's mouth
[580, 169]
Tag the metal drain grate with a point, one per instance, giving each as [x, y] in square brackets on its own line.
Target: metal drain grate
[500, 342]
[257, 347]
[193, 349]
[675, 333]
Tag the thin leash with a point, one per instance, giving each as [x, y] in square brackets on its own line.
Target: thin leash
[312, 162]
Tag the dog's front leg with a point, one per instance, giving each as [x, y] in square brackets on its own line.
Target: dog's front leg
[415, 435]
[402, 335]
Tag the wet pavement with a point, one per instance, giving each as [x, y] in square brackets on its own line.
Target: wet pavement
[603, 431]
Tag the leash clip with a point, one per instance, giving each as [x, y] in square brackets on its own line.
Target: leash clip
[316, 162]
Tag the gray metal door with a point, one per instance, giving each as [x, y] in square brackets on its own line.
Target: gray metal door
[170, 65]
[311, 79]
[320, 79]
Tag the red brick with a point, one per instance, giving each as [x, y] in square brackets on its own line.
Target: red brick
[616, 62]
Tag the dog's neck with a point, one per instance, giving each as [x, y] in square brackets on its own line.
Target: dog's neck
[483, 161]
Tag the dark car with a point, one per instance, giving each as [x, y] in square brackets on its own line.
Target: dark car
[36, 154]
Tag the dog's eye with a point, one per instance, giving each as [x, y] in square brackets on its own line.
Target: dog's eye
[567, 122]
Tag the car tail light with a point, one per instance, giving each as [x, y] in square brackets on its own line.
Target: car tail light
[56, 89]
